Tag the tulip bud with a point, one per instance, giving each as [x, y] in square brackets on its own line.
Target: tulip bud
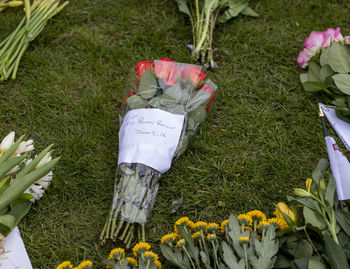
[308, 183]
[15, 3]
[284, 208]
[7, 142]
[322, 186]
[303, 193]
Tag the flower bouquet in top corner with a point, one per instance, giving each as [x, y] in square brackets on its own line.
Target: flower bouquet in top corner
[327, 57]
[166, 104]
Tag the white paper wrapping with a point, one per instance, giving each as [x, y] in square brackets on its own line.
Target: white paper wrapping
[150, 137]
[341, 127]
[340, 168]
[16, 256]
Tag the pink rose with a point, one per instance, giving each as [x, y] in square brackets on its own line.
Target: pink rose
[347, 39]
[304, 56]
[331, 35]
[314, 41]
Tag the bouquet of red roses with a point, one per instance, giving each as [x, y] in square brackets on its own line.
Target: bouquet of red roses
[165, 104]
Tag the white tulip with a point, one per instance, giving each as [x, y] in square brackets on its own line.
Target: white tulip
[47, 158]
[7, 142]
[24, 146]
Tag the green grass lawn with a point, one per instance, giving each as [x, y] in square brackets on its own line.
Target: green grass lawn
[69, 90]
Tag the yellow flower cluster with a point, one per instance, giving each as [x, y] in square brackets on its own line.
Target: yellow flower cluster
[139, 248]
[68, 265]
[65, 265]
[169, 238]
[117, 255]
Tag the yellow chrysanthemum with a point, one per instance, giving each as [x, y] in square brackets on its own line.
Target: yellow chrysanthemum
[256, 215]
[308, 183]
[85, 265]
[65, 265]
[263, 225]
[245, 219]
[200, 225]
[184, 221]
[116, 253]
[223, 225]
[190, 224]
[196, 235]
[212, 227]
[158, 264]
[140, 247]
[132, 261]
[246, 228]
[150, 255]
[180, 243]
[243, 239]
[169, 238]
[276, 222]
[211, 237]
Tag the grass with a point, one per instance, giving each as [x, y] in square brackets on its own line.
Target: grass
[262, 139]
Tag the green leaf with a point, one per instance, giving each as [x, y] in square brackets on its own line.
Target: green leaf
[230, 258]
[9, 164]
[319, 171]
[330, 191]
[135, 102]
[309, 202]
[315, 263]
[325, 72]
[335, 254]
[314, 218]
[313, 86]
[304, 77]
[304, 250]
[183, 7]
[314, 72]
[249, 12]
[301, 263]
[174, 95]
[148, 85]
[233, 11]
[235, 233]
[16, 189]
[174, 256]
[342, 81]
[343, 219]
[266, 250]
[176, 205]
[210, 6]
[338, 58]
[6, 224]
[324, 58]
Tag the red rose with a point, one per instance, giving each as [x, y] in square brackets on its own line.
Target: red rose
[208, 89]
[141, 67]
[196, 74]
[131, 93]
[166, 69]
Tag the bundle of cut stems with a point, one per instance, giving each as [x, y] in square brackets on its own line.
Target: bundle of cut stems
[14, 46]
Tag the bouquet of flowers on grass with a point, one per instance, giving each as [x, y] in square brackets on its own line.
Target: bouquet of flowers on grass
[5, 4]
[22, 180]
[166, 104]
[204, 14]
[327, 56]
[13, 47]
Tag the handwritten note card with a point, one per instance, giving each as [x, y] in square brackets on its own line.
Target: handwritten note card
[15, 256]
[149, 136]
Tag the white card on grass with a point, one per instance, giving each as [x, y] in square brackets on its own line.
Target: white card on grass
[15, 256]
